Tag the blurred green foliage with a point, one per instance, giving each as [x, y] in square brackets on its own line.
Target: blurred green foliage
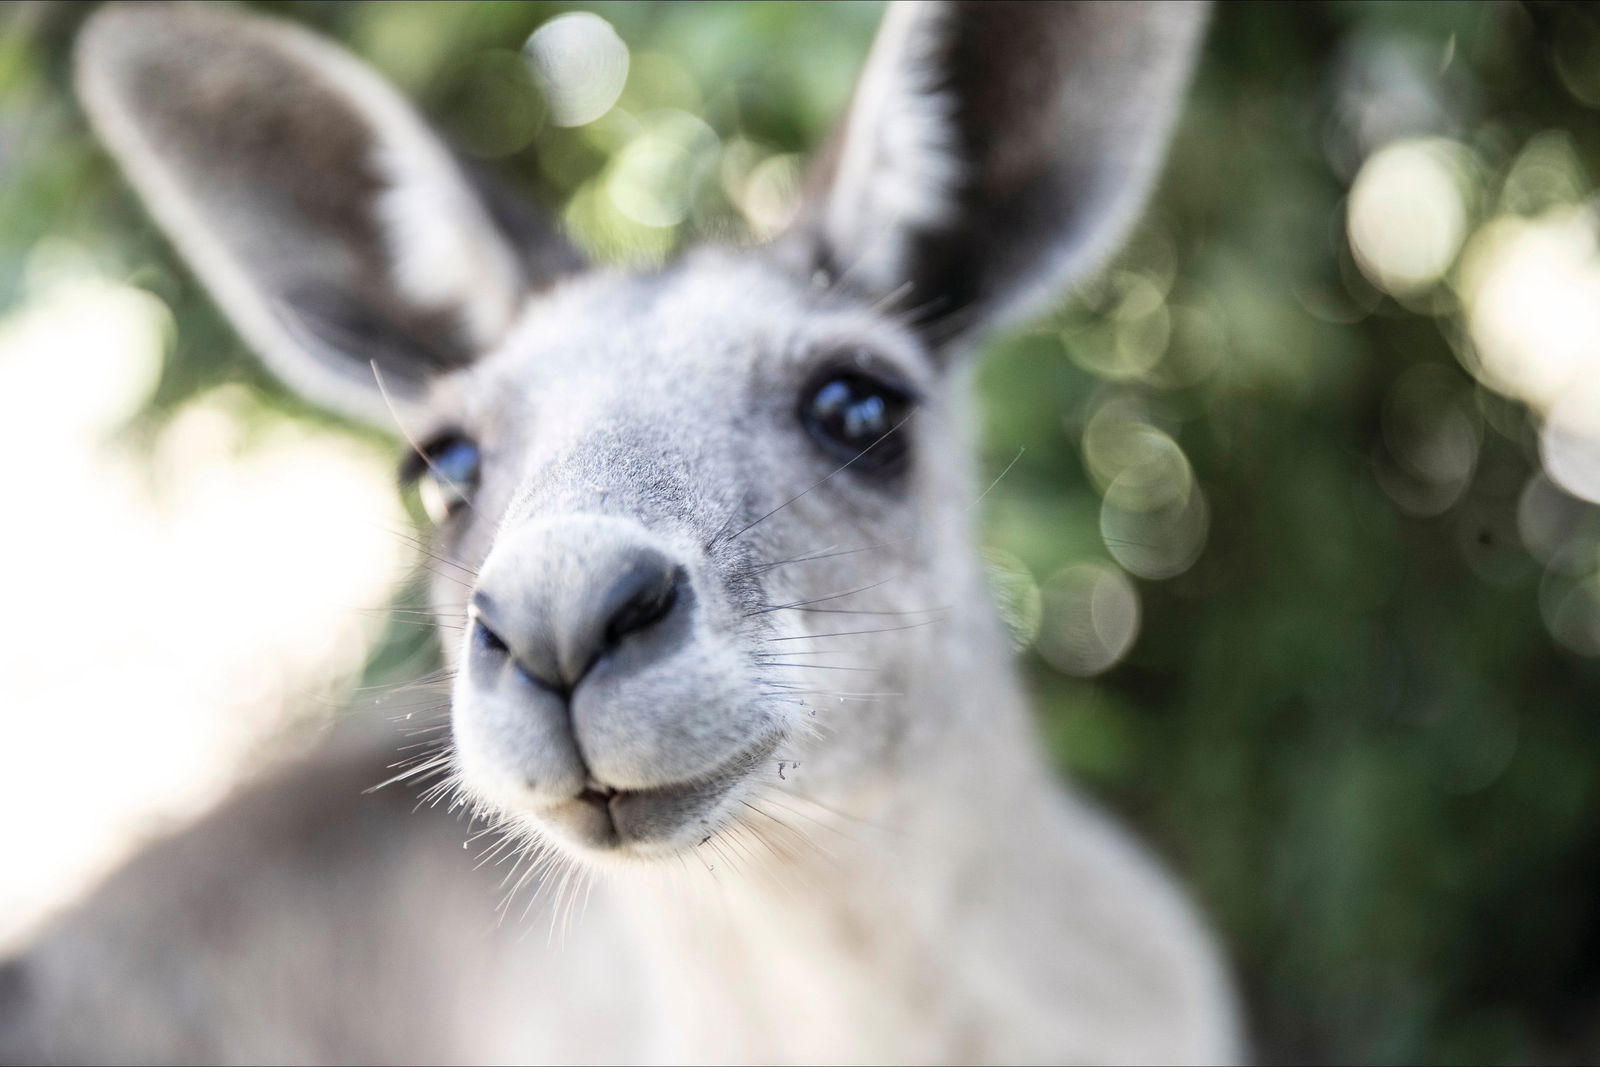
[1344, 715]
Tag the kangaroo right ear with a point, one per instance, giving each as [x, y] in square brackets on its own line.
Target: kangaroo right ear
[995, 151]
[329, 222]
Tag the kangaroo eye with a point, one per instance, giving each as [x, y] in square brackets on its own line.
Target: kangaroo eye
[855, 418]
[446, 475]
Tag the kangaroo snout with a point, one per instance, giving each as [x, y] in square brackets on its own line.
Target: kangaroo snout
[592, 695]
[555, 634]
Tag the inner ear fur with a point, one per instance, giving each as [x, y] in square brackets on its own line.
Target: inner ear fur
[334, 228]
[994, 152]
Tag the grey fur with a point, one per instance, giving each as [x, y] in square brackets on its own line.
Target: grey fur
[805, 863]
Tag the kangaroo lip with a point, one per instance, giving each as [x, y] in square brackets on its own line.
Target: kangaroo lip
[600, 801]
[719, 778]
[601, 797]
[607, 801]
[604, 818]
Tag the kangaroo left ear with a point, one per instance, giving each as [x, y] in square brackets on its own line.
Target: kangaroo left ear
[335, 229]
[995, 151]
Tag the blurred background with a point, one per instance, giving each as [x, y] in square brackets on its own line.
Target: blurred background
[1301, 552]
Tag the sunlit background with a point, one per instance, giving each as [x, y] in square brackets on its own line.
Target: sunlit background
[1302, 550]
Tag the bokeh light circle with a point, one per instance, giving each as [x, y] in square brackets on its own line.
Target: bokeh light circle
[1090, 619]
[581, 64]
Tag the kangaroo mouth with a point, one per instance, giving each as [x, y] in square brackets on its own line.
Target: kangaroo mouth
[656, 820]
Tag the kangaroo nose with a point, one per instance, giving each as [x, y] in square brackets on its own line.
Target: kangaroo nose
[639, 599]
[557, 632]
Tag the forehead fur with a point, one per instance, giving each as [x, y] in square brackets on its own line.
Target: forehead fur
[671, 395]
[714, 312]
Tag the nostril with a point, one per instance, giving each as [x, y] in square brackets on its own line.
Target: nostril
[642, 597]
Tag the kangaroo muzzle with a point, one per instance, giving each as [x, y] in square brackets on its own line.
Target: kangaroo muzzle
[592, 695]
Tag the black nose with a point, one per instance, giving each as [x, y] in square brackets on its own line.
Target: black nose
[557, 635]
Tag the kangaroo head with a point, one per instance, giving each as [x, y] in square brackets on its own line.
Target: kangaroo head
[698, 521]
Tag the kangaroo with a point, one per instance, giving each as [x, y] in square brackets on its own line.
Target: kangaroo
[722, 666]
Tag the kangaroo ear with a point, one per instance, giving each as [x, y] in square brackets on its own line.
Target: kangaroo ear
[332, 226]
[995, 151]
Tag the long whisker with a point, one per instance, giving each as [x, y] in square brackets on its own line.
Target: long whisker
[830, 553]
[857, 633]
[821, 481]
[394, 413]
[818, 667]
[817, 600]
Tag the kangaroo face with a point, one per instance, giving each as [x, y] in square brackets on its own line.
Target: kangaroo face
[681, 513]
[665, 505]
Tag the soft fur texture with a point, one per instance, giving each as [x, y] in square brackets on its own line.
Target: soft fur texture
[835, 837]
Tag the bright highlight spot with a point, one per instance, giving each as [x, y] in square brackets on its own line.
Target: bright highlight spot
[1016, 595]
[1154, 518]
[1090, 618]
[1407, 213]
[1569, 442]
[172, 613]
[770, 195]
[1532, 291]
[581, 64]
[653, 179]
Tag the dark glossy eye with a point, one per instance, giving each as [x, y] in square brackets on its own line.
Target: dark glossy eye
[446, 474]
[858, 419]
